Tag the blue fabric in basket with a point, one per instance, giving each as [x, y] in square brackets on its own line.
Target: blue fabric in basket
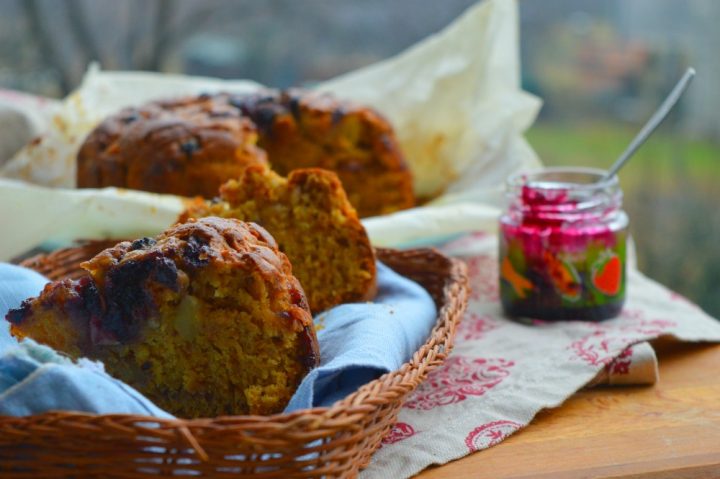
[361, 342]
[358, 343]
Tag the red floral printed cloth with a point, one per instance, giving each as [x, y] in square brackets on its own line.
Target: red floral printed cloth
[502, 373]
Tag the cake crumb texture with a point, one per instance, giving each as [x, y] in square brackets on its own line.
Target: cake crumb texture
[314, 224]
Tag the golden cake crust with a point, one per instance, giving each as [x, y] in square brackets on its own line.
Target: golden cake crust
[186, 147]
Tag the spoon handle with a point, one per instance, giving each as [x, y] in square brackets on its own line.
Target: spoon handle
[653, 122]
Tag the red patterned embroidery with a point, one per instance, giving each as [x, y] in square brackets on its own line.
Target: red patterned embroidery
[603, 344]
[490, 434]
[621, 364]
[483, 276]
[474, 326]
[458, 378]
[597, 348]
[399, 431]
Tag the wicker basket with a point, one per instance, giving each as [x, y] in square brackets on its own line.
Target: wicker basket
[336, 441]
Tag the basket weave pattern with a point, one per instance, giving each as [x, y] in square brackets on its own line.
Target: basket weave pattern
[335, 441]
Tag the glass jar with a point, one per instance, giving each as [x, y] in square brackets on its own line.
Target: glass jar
[562, 246]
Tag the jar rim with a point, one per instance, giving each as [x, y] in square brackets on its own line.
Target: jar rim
[534, 178]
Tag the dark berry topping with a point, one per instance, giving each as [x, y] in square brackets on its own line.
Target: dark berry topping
[90, 301]
[190, 146]
[294, 105]
[337, 115]
[130, 117]
[16, 316]
[310, 357]
[195, 252]
[264, 117]
[142, 243]
[296, 296]
[262, 109]
[241, 103]
[128, 301]
[165, 272]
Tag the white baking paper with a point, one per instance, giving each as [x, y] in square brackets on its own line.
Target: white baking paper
[454, 99]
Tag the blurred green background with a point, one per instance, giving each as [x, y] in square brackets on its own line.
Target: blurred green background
[601, 68]
[671, 196]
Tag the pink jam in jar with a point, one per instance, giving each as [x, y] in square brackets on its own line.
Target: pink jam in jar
[562, 246]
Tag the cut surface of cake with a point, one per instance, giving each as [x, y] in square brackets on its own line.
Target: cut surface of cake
[206, 319]
[313, 222]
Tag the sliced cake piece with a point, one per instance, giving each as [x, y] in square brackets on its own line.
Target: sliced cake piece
[207, 319]
[313, 222]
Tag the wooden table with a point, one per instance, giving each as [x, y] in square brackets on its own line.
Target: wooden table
[670, 430]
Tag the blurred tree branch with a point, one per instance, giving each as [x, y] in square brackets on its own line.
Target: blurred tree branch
[162, 22]
[170, 31]
[80, 29]
[45, 43]
[151, 35]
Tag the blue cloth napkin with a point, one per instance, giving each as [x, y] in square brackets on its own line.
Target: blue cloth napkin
[361, 342]
[358, 343]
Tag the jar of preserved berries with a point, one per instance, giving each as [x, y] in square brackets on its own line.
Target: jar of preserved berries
[562, 246]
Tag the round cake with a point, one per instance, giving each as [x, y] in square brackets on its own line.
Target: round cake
[184, 147]
[190, 146]
[310, 217]
[206, 319]
[304, 129]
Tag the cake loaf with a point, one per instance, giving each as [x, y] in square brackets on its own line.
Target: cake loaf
[190, 146]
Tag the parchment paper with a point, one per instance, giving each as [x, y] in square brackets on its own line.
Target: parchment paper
[454, 99]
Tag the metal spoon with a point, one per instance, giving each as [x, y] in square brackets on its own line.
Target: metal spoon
[652, 123]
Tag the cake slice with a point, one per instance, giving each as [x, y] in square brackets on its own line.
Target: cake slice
[313, 222]
[206, 319]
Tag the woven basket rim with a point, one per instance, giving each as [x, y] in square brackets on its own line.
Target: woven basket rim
[350, 429]
[345, 405]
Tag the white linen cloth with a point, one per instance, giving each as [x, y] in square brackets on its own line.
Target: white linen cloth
[501, 373]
